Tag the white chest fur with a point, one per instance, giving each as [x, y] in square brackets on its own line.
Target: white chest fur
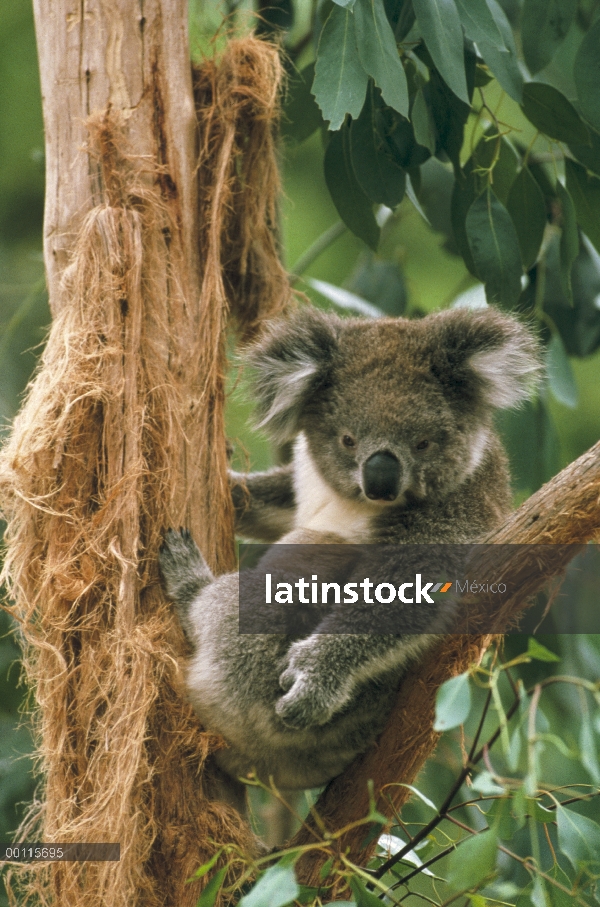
[321, 508]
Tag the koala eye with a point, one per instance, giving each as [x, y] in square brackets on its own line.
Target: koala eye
[422, 445]
[348, 441]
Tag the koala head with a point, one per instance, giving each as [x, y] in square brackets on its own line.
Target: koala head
[392, 408]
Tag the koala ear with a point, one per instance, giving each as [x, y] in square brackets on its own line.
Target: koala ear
[289, 364]
[490, 357]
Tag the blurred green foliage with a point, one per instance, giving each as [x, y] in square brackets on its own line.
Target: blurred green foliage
[416, 267]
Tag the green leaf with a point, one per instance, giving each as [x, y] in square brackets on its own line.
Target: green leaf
[473, 861]
[301, 115]
[479, 23]
[453, 703]
[544, 25]
[353, 206]
[551, 113]
[362, 897]
[539, 652]
[559, 898]
[588, 155]
[569, 240]
[466, 189]
[503, 64]
[578, 838]
[206, 867]
[380, 178]
[500, 818]
[588, 752]
[402, 142]
[585, 192]
[495, 249]
[209, 895]
[276, 888]
[449, 113]
[484, 784]
[539, 812]
[423, 123]
[347, 4]
[440, 26]
[340, 83]
[379, 54]
[586, 72]
[527, 208]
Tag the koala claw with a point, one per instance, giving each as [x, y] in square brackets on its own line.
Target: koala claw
[304, 704]
[300, 708]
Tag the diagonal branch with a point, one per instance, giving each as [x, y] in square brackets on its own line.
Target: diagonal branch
[565, 512]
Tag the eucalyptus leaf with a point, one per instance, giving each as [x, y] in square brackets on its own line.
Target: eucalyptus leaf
[588, 752]
[473, 861]
[440, 26]
[527, 208]
[465, 191]
[453, 703]
[479, 23]
[301, 115]
[588, 155]
[561, 379]
[423, 122]
[340, 83]
[380, 178]
[495, 249]
[449, 113]
[579, 326]
[363, 897]
[550, 112]
[276, 888]
[379, 54]
[586, 72]
[544, 26]
[536, 650]
[210, 893]
[503, 61]
[569, 240]
[578, 838]
[500, 818]
[352, 204]
[412, 197]
[584, 189]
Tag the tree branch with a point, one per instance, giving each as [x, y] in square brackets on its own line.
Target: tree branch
[565, 512]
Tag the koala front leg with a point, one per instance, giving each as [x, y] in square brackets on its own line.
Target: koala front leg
[323, 672]
[264, 502]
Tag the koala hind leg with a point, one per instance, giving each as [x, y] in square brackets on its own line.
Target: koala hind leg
[185, 574]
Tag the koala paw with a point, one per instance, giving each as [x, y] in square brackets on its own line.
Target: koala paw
[181, 564]
[308, 700]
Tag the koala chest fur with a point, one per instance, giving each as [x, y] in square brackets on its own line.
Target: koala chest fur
[320, 508]
[394, 442]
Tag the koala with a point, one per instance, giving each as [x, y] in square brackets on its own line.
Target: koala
[394, 443]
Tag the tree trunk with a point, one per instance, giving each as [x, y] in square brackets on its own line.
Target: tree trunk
[121, 436]
[126, 57]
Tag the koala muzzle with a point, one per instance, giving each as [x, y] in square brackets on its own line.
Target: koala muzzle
[381, 477]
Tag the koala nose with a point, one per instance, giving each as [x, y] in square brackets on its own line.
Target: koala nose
[381, 476]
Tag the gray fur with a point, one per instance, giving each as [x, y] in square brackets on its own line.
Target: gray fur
[300, 710]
